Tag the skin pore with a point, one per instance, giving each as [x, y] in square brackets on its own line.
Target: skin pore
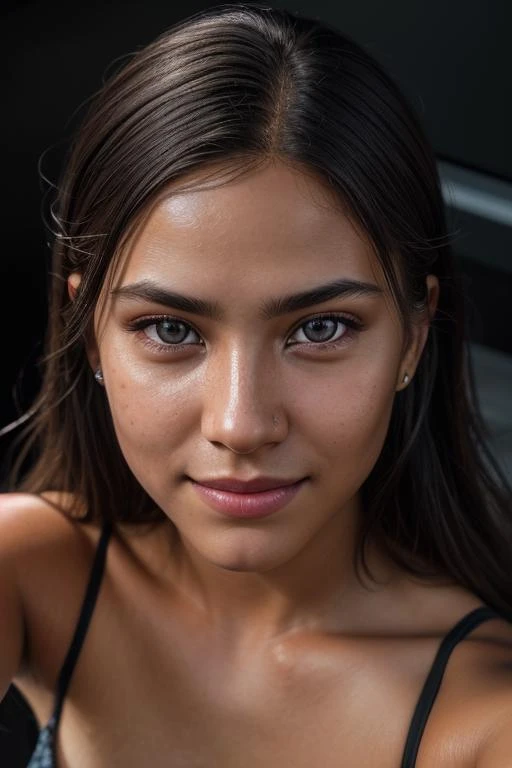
[246, 391]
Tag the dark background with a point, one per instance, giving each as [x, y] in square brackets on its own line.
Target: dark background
[453, 60]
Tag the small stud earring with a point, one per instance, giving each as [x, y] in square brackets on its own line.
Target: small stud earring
[98, 375]
[405, 380]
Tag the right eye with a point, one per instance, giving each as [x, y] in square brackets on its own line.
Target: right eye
[166, 333]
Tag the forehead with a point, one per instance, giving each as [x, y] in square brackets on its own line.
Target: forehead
[275, 224]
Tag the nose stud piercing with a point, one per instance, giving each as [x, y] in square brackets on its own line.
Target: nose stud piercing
[275, 421]
[98, 375]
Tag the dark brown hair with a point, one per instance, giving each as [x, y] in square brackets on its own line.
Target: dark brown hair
[239, 85]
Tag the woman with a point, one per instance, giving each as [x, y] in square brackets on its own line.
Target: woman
[254, 437]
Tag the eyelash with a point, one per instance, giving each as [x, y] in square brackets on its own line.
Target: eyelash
[351, 323]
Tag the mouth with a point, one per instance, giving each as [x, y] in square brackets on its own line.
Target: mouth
[259, 497]
[254, 485]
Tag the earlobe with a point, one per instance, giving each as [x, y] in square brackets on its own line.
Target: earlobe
[73, 283]
[404, 381]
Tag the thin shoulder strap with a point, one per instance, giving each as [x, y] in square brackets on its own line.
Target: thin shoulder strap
[435, 676]
[86, 612]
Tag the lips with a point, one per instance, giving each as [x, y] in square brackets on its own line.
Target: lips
[255, 485]
[259, 497]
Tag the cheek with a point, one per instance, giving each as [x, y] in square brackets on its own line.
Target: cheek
[151, 419]
[347, 414]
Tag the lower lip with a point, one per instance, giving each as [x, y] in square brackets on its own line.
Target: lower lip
[248, 505]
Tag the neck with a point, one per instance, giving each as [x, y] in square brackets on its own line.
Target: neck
[317, 589]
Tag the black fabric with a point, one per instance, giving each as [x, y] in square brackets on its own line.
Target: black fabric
[83, 622]
[44, 753]
[435, 676]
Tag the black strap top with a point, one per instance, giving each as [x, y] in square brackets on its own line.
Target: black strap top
[434, 678]
[44, 754]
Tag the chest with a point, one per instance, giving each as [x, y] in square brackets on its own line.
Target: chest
[203, 709]
[167, 693]
[153, 685]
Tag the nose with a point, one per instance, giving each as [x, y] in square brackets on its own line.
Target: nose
[242, 403]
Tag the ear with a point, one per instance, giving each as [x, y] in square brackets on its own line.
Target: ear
[91, 347]
[419, 334]
[91, 350]
[73, 282]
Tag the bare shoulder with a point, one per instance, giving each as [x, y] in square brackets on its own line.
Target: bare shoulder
[45, 519]
[473, 712]
[16, 504]
[50, 551]
[492, 649]
[34, 525]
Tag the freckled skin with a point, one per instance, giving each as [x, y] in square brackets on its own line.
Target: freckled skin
[207, 411]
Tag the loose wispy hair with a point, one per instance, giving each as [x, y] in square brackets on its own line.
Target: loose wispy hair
[231, 88]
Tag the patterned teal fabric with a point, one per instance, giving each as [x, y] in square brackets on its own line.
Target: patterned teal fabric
[43, 756]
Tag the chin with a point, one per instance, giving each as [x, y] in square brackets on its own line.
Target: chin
[247, 563]
[247, 556]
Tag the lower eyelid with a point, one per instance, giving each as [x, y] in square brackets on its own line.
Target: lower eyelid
[312, 347]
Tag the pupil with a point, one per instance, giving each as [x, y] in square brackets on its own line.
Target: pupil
[168, 330]
[322, 330]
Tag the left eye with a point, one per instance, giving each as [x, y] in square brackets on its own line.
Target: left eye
[321, 329]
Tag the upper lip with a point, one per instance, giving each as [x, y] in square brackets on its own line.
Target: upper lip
[247, 486]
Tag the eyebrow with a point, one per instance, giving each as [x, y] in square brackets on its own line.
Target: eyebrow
[146, 290]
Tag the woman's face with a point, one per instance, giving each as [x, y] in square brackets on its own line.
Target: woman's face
[283, 361]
